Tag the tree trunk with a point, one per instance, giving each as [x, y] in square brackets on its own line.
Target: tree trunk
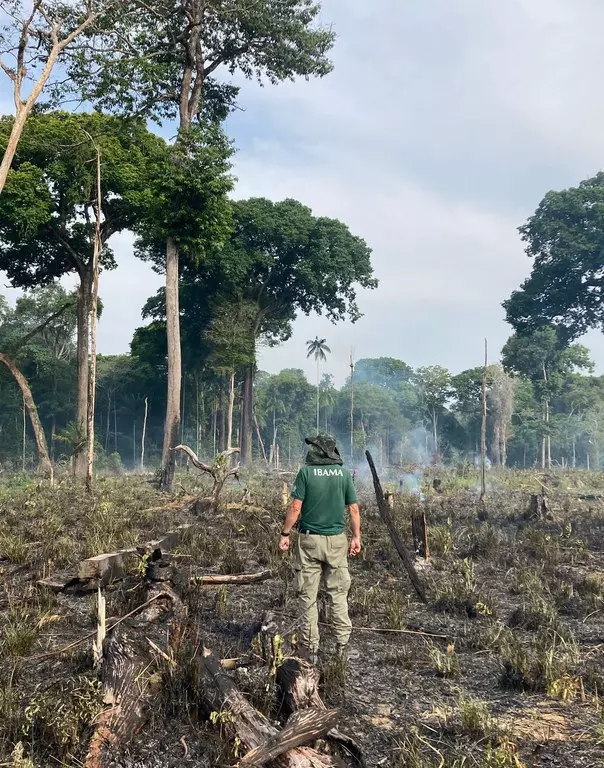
[144, 435]
[318, 397]
[242, 722]
[44, 465]
[96, 254]
[260, 442]
[247, 417]
[172, 424]
[24, 440]
[80, 461]
[230, 414]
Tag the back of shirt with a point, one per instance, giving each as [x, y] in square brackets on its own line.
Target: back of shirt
[325, 492]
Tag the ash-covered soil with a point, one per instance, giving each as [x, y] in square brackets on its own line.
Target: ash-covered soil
[502, 667]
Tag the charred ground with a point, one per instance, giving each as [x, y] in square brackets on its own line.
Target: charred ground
[502, 667]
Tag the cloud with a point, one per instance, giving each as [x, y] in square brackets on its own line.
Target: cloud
[437, 134]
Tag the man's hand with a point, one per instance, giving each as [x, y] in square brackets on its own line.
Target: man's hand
[284, 543]
[355, 546]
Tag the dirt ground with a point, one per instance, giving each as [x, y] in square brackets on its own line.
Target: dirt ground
[502, 666]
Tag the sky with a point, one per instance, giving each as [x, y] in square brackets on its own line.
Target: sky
[440, 129]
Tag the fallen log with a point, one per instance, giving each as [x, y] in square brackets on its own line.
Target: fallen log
[301, 728]
[129, 674]
[222, 699]
[394, 534]
[233, 578]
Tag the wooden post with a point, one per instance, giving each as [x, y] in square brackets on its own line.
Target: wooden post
[420, 533]
[394, 534]
[483, 430]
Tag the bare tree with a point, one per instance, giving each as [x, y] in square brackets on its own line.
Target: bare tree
[501, 406]
[30, 46]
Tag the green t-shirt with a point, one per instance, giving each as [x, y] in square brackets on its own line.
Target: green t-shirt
[325, 492]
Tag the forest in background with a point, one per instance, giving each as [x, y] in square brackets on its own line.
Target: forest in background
[237, 272]
[404, 416]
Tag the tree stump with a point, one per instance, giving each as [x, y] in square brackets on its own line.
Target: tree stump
[419, 531]
[247, 726]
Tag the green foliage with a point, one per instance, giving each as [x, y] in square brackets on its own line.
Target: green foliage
[145, 54]
[46, 209]
[565, 238]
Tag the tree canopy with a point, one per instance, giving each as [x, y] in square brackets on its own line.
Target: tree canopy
[565, 239]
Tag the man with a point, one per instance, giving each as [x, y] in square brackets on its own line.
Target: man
[322, 491]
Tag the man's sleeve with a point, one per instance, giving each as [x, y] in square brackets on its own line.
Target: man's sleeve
[350, 496]
[299, 489]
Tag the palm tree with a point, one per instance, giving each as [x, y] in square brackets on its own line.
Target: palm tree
[317, 349]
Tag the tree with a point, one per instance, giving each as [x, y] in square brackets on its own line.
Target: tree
[545, 359]
[500, 399]
[387, 372]
[434, 383]
[232, 347]
[565, 238]
[47, 209]
[282, 260]
[327, 393]
[30, 46]
[15, 336]
[317, 348]
[165, 68]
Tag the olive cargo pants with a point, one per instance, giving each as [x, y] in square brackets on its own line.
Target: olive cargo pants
[323, 558]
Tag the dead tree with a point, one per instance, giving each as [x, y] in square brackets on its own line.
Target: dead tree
[394, 534]
[219, 470]
[33, 43]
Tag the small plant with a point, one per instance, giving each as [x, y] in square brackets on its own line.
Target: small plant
[475, 717]
[222, 601]
[396, 608]
[19, 634]
[445, 664]
[58, 716]
[441, 540]
[334, 675]
[14, 548]
[502, 756]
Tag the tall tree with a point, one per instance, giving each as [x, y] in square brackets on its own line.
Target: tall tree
[31, 43]
[434, 383]
[318, 348]
[565, 239]
[47, 209]
[282, 260]
[165, 69]
[543, 358]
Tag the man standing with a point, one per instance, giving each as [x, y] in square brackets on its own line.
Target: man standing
[322, 491]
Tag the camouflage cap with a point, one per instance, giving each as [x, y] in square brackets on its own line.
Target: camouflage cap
[322, 450]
